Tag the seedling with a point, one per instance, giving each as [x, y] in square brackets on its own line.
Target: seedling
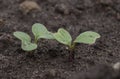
[65, 38]
[39, 31]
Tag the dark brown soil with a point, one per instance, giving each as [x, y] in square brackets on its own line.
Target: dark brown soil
[49, 61]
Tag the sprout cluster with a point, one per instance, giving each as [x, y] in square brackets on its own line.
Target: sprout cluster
[62, 36]
[39, 31]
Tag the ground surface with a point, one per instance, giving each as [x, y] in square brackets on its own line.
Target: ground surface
[76, 16]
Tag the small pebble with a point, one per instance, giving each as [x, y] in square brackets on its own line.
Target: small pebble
[117, 66]
[28, 6]
[62, 8]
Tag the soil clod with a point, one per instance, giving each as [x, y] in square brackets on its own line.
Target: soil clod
[28, 6]
[62, 8]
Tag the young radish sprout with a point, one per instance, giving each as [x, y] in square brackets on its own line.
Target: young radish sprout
[63, 36]
[39, 31]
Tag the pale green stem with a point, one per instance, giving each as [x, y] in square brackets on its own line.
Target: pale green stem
[71, 52]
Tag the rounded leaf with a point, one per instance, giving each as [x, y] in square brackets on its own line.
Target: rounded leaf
[22, 36]
[27, 46]
[63, 37]
[87, 37]
[40, 31]
[48, 35]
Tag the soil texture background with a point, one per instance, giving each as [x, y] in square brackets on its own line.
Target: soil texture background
[49, 61]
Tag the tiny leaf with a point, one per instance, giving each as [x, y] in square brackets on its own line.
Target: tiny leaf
[87, 37]
[27, 46]
[22, 36]
[40, 31]
[63, 37]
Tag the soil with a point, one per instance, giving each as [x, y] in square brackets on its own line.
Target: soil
[49, 61]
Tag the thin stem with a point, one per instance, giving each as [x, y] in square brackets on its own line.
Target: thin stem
[72, 46]
[71, 55]
[71, 52]
[30, 54]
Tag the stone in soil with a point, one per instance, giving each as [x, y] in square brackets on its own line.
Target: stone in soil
[62, 8]
[28, 6]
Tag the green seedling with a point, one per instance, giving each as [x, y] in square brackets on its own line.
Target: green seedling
[63, 36]
[26, 44]
[39, 31]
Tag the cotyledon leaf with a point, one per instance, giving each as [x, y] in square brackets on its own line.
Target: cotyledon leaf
[22, 36]
[28, 46]
[40, 31]
[88, 37]
[48, 35]
[63, 37]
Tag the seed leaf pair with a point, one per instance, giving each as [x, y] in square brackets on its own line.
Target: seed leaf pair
[64, 37]
[39, 31]
[26, 41]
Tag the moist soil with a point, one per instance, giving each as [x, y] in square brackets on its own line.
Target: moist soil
[50, 60]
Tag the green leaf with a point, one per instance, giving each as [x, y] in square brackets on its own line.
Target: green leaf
[27, 46]
[63, 37]
[22, 36]
[40, 31]
[87, 37]
[48, 35]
